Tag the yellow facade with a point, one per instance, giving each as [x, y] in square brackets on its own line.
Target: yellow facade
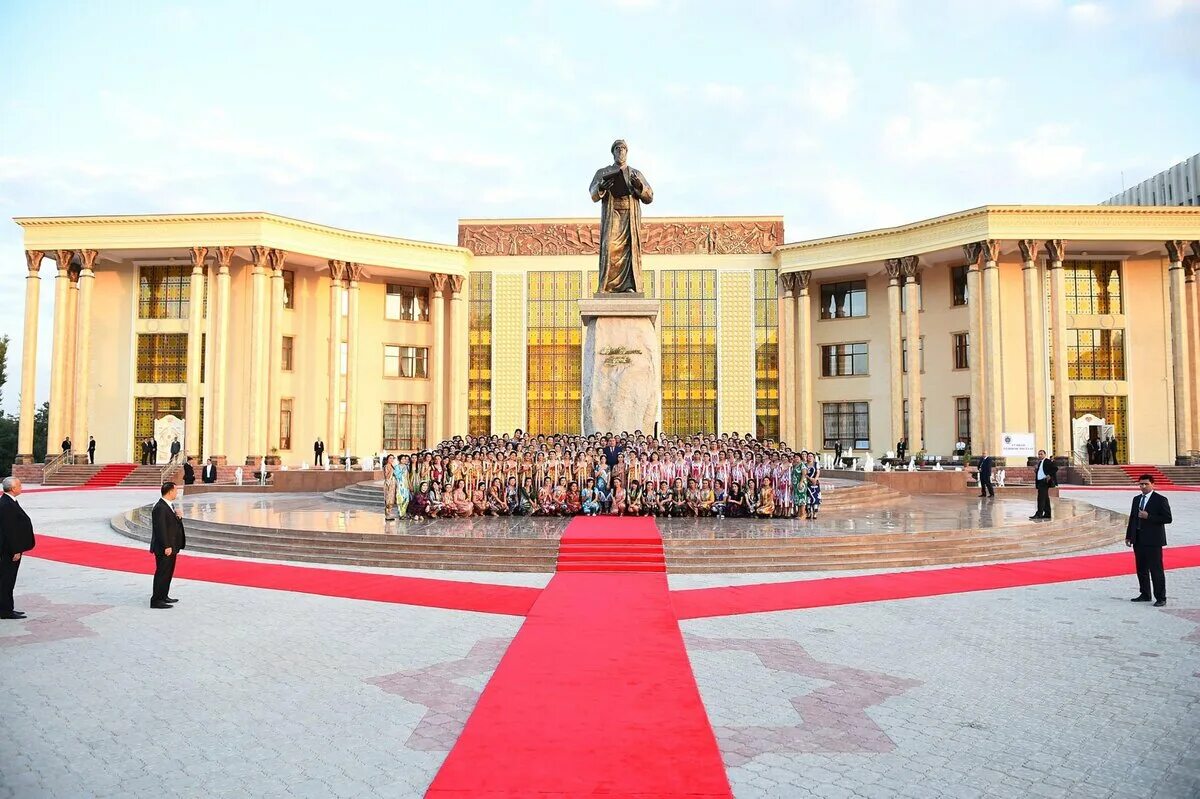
[739, 354]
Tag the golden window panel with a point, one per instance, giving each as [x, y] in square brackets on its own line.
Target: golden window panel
[164, 292]
[147, 410]
[162, 357]
[479, 341]
[554, 351]
[688, 322]
[1113, 410]
[403, 427]
[766, 354]
[1091, 288]
[1095, 354]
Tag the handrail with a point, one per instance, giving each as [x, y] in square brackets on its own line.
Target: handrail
[52, 465]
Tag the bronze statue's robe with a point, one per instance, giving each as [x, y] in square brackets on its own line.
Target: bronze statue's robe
[620, 234]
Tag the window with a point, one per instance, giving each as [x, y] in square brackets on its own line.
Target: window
[958, 285]
[961, 352]
[554, 353]
[162, 358]
[688, 323]
[343, 358]
[403, 427]
[848, 423]
[920, 297]
[164, 292]
[1092, 287]
[289, 289]
[289, 349]
[285, 424]
[839, 300]
[479, 366]
[405, 361]
[406, 303]
[1096, 354]
[906, 428]
[345, 302]
[844, 360]
[904, 354]
[962, 420]
[766, 354]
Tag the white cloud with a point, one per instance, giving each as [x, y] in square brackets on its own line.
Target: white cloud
[947, 122]
[1169, 8]
[1047, 154]
[828, 85]
[1089, 13]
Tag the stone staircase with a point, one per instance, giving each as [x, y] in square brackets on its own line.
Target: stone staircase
[110, 475]
[1182, 475]
[73, 475]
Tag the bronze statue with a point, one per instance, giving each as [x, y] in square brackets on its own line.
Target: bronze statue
[619, 188]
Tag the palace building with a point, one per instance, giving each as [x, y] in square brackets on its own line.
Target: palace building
[263, 333]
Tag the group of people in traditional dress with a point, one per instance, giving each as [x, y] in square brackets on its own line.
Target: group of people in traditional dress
[632, 474]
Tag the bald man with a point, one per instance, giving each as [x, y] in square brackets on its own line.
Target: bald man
[16, 538]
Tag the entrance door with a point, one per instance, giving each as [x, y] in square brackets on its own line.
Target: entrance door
[1110, 412]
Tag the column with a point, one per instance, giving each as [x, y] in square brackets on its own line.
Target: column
[437, 374]
[276, 259]
[971, 253]
[993, 374]
[1179, 353]
[68, 410]
[910, 265]
[1055, 249]
[786, 314]
[219, 370]
[337, 273]
[457, 358]
[83, 351]
[895, 370]
[804, 381]
[1035, 347]
[195, 354]
[58, 354]
[33, 287]
[353, 272]
[256, 426]
[1189, 294]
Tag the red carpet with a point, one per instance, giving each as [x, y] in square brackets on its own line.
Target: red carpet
[1135, 471]
[451, 594]
[735, 600]
[594, 697]
[110, 475]
[608, 544]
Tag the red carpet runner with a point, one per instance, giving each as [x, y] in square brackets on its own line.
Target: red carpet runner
[451, 594]
[734, 600]
[594, 697]
[110, 475]
[602, 544]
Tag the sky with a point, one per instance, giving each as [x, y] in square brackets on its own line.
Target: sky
[399, 118]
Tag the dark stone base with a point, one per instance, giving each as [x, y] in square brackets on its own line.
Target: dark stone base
[219, 460]
[24, 460]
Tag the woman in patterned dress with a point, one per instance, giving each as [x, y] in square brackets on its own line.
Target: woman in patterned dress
[814, 486]
[404, 485]
[799, 486]
[389, 489]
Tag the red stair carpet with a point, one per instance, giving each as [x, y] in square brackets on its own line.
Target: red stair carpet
[508, 600]
[608, 544]
[594, 697]
[1134, 471]
[735, 600]
[110, 475]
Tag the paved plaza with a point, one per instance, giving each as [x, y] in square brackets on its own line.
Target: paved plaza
[1050, 690]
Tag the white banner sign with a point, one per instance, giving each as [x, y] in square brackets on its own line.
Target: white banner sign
[1017, 445]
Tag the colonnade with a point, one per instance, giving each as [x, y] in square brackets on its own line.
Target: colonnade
[987, 409]
[71, 375]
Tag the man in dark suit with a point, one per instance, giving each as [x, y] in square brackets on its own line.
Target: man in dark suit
[91, 449]
[66, 444]
[209, 473]
[153, 450]
[1045, 476]
[166, 539]
[189, 472]
[612, 450]
[145, 451]
[318, 453]
[986, 489]
[837, 455]
[901, 448]
[16, 537]
[1146, 532]
[175, 449]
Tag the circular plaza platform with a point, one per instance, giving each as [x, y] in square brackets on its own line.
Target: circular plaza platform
[861, 526]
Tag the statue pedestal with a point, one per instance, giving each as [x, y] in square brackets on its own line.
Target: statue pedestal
[622, 379]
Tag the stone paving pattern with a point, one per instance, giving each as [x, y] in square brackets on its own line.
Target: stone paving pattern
[1063, 690]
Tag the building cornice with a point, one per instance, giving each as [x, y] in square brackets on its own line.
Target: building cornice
[239, 229]
[1004, 222]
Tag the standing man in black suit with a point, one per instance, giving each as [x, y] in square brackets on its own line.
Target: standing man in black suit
[318, 453]
[175, 449]
[16, 537]
[901, 448]
[1045, 474]
[145, 452]
[91, 449]
[189, 472]
[166, 539]
[209, 473]
[66, 444]
[612, 450]
[153, 451]
[1146, 533]
[986, 488]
